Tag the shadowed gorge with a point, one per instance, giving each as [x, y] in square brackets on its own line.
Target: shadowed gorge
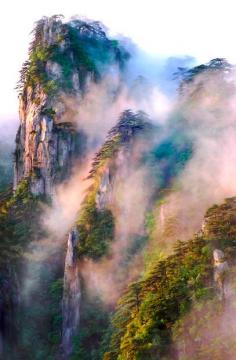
[117, 203]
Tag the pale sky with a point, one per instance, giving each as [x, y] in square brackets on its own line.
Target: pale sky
[203, 28]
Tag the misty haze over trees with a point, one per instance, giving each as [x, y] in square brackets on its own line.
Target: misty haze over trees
[117, 203]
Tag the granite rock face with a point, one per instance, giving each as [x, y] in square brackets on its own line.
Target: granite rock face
[103, 194]
[45, 146]
[64, 59]
[44, 149]
[71, 295]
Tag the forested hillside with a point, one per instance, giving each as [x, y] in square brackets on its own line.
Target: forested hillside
[117, 220]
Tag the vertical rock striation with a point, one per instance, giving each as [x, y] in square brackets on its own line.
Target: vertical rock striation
[45, 147]
[44, 150]
[71, 295]
[64, 59]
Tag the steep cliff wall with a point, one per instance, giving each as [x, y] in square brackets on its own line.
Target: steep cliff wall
[72, 294]
[44, 150]
[42, 147]
[64, 58]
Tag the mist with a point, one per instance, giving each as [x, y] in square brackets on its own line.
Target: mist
[207, 119]
[130, 198]
[208, 113]
[8, 128]
[202, 111]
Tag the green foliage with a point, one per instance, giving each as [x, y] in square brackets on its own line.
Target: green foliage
[174, 307]
[214, 79]
[96, 229]
[214, 66]
[129, 126]
[55, 293]
[93, 336]
[50, 112]
[171, 156]
[20, 215]
[151, 306]
[76, 46]
[16, 231]
[41, 311]
[34, 70]
[199, 334]
[220, 223]
[150, 222]
[107, 151]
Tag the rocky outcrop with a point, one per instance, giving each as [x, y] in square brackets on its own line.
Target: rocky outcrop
[45, 146]
[103, 194]
[44, 149]
[71, 295]
[221, 268]
[64, 58]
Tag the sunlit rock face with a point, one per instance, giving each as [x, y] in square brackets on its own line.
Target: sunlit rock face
[44, 150]
[47, 141]
[64, 60]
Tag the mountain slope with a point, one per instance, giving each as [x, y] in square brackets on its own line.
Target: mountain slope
[122, 270]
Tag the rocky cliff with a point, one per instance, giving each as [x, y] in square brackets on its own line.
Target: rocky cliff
[71, 295]
[64, 58]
